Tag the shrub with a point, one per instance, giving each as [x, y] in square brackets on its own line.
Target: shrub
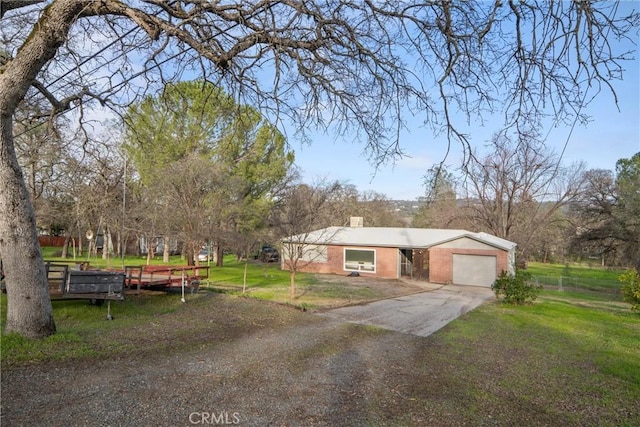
[631, 288]
[516, 288]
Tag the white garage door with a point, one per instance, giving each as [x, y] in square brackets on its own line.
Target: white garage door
[478, 270]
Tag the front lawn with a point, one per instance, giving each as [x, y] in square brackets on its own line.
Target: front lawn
[560, 361]
[269, 282]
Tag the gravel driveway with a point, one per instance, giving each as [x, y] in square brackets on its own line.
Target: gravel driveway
[235, 361]
[419, 314]
[242, 363]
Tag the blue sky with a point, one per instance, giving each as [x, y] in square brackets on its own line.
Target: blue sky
[612, 134]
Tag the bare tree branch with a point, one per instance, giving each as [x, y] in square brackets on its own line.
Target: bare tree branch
[7, 5]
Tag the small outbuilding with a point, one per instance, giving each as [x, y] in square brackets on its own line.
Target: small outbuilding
[437, 255]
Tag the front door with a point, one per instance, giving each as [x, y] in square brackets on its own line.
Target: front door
[406, 262]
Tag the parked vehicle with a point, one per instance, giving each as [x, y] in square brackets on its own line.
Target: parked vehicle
[203, 255]
[269, 254]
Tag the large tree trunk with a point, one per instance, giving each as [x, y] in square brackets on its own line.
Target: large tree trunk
[29, 310]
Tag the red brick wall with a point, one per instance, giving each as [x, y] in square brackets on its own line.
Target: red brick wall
[386, 262]
[441, 261]
[334, 261]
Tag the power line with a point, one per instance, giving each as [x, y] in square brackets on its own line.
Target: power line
[77, 67]
[135, 75]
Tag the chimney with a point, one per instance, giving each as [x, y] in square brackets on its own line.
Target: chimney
[356, 221]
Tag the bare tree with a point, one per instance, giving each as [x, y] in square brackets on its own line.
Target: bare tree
[194, 191]
[515, 190]
[148, 217]
[345, 201]
[40, 154]
[594, 222]
[551, 243]
[342, 203]
[608, 214]
[69, 200]
[355, 67]
[378, 211]
[296, 221]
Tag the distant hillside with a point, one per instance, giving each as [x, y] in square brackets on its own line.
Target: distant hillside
[406, 207]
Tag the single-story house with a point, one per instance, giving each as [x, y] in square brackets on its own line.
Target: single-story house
[437, 255]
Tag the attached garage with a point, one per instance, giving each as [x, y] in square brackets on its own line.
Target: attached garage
[471, 259]
[479, 270]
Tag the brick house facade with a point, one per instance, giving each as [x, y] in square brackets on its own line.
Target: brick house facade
[439, 256]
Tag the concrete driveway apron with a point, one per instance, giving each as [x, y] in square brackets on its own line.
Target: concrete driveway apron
[420, 314]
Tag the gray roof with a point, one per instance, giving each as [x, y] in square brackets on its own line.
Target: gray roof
[394, 237]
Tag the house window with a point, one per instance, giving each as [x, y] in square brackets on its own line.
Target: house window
[360, 260]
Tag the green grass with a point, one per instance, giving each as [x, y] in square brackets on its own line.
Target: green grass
[230, 274]
[78, 322]
[561, 352]
[578, 278]
[259, 274]
[269, 282]
[574, 270]
[263, 281]
[50, 253]
[82, 329]
[597, 331]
